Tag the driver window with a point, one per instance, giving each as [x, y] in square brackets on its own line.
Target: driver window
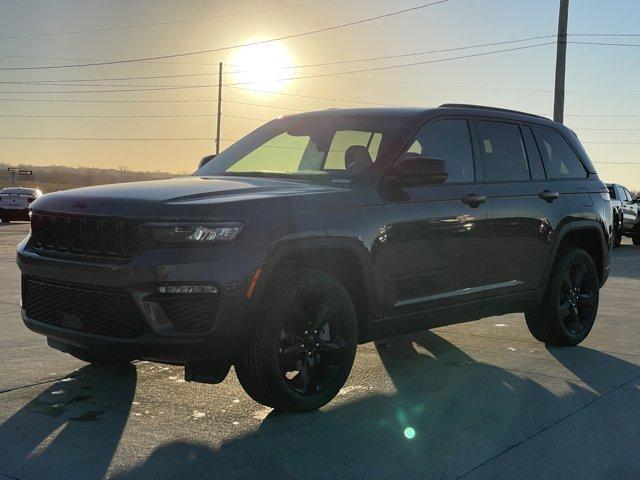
[343, 139]
[448, 140]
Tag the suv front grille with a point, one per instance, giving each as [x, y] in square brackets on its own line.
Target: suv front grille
[97, 310]
[117, 239]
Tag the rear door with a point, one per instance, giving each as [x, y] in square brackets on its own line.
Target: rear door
[564, 167]
[526, 205]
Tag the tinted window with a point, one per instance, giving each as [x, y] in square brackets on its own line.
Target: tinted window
[612, 192]
[560, 159]
[502, 150]
[448, 140]
[627, 194]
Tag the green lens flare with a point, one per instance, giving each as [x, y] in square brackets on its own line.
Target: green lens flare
[409, 433]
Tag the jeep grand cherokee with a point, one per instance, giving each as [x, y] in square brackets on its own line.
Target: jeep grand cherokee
[320, 231]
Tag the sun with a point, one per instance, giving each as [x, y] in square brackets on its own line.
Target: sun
[263, 66]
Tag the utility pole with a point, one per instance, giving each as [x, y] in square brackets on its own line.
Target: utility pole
[561, 62]
[219, 108]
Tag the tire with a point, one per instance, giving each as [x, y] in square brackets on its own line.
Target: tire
[617, 232]
[4, 220]
[636, 239]
[303, 344]
[99, 359]
[570, 304]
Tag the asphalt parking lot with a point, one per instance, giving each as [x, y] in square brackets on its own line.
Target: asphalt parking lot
[478, 400]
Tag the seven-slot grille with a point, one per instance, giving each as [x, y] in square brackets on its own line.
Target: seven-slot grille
[85, 235]
[98, 310]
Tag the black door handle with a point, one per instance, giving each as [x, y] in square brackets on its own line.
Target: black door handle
[473, 200]
[548, 196]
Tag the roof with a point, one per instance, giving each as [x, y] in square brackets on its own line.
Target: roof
[418, 112]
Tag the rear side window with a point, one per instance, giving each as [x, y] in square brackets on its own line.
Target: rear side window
[502, 152]
[448, 140]
[560, 159]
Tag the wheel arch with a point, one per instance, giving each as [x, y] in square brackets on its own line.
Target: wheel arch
[346, 259]
[588, 235]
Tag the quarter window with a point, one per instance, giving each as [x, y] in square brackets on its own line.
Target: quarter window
[503, 153]
[447, 140]
[560, 159]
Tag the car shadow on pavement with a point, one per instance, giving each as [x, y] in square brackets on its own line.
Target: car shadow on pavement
[71, 429]
[449, 414]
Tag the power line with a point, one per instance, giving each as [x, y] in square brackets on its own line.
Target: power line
[230, 47]
[413, 54]
[191, 115]
[116, 139]
[338, 62]
[170, 22]
[319, 75]
[607, 44]
[388, 67]
[604, 34]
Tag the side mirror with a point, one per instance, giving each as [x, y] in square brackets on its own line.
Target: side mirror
[206, 160]
[416, 170]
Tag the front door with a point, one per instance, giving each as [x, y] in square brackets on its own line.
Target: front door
[436, 235]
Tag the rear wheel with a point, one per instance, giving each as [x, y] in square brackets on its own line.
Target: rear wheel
[570, 305]
[303, 345]
[99, 358]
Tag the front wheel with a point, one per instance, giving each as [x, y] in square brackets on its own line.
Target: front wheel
[303, 344]
[570, 305]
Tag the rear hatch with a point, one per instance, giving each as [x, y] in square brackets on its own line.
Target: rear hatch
[15, 201]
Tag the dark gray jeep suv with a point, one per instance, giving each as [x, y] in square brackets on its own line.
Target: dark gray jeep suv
[320, 231]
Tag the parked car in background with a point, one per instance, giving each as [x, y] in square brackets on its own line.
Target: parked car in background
[625, 214]
[15, 201]
[320, 231]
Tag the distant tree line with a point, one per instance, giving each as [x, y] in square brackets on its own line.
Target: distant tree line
[59, 177]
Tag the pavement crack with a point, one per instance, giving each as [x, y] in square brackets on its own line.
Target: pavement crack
[35, 384]
[544, 429]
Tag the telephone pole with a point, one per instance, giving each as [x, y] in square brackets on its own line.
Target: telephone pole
[561, 62]
[219, 108]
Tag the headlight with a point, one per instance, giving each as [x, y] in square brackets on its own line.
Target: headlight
[199, 233]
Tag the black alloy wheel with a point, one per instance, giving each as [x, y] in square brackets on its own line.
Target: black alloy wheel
[312, 343]
[303, 343]
[576, 300]
[569, 307]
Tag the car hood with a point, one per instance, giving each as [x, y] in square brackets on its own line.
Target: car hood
[179, 197]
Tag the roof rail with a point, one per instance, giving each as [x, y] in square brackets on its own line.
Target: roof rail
[495, 109]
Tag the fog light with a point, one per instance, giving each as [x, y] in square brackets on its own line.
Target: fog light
[187, 289]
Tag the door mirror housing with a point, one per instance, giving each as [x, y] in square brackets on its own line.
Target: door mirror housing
[414, 170]
[205, 160]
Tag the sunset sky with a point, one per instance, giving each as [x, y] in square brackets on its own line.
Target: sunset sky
[65, 124]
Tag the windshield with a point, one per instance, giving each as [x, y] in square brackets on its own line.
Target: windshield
[307, 146]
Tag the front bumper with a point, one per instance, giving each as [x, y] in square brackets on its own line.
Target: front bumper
[140, 278]
[179, 351]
